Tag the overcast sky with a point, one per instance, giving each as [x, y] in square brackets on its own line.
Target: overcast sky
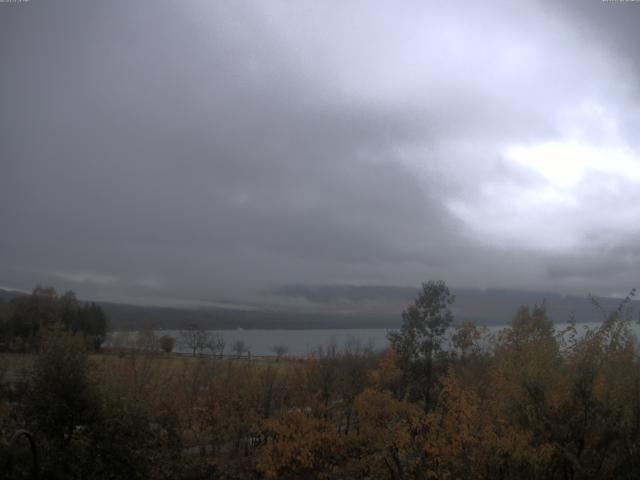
[185, 152]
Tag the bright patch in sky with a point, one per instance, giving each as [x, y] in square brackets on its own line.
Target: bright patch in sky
[564, 164]
[549, 214]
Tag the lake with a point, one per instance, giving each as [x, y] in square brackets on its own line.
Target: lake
[296, 342]
[304, 342]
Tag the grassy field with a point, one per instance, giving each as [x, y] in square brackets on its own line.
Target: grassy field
[16, 367]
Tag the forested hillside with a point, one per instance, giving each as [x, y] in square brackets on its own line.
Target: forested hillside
[486, 307]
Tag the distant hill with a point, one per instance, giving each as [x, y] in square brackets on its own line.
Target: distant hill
[497, 307]
[130, 317]
[488, 307]
[8, 295]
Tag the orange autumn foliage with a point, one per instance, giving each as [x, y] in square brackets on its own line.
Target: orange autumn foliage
[298, 443]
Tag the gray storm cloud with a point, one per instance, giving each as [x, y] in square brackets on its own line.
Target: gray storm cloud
[200, 151]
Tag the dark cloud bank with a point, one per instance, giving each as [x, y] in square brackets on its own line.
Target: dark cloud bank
[208, 153]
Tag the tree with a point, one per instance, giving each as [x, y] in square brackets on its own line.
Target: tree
[61, 401]
[31, 313]
[387, 376]
[419, 341]
[216, 344]
[92, 322]
[45, 308]
[279, 350]
[389, 440]
[239, 347]
[70, 308]
[147, 339]
[195, 339]
[467, 339]
[298, 445]
[62, 395]
[5, 332]
[167, 343]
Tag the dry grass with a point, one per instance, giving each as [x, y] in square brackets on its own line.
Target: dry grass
[15, 366]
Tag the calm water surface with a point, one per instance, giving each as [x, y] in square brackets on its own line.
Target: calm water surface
[304, 342]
